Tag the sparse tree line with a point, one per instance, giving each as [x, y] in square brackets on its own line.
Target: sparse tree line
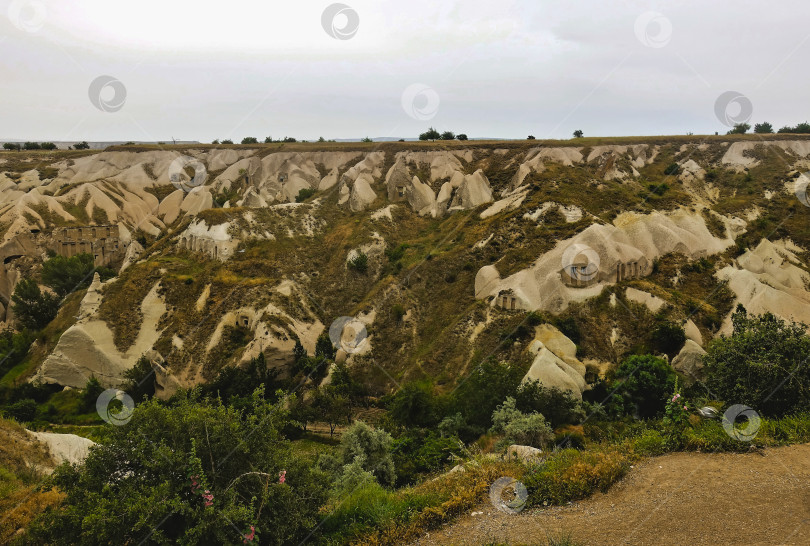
[17, 146]
[767, 128]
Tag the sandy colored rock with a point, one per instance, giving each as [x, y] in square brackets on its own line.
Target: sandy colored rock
[653, 303]
[486, 278]
[689, 361]
[64, 447]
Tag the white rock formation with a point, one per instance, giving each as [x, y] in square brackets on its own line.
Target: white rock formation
[64, 447]
[87, 349]
[630, 244]
[555, 363]
[689, 361]
[767, 279]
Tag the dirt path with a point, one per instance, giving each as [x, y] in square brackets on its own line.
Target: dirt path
[678, 499]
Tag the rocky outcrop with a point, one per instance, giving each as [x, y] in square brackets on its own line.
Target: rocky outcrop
[87, 349]
[555, 363]
[578, 268]
[767, 279]
[216, 241]
[64, 448]
[689, 361]
[472, 192]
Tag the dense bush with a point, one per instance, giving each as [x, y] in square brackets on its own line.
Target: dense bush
[362, 447]
[187, 473]
[417, 452]
[233, 384]
[479, 394]
[23, 410]
[763, 364]
[557, 406]
[304, 194]
[668, 338]
[529, 429]
[359, 263]
[414, 406]
[646, 381]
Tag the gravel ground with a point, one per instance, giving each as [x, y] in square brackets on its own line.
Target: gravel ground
[683, 498]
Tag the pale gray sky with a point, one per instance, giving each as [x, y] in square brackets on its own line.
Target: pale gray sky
[201, 69]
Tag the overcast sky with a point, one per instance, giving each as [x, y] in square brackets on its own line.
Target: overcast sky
[199, 70]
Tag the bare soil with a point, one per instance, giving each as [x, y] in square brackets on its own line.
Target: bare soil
[683, 498]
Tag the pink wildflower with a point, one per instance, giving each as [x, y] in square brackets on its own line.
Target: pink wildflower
[249, 537]
[676, 397]
[684, 407]
[282, 476]
[209, 498]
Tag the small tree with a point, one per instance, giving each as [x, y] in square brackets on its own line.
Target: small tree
[34, 309]
[646, 381]
[48, 146]
[32, 146]
[739, 129]
[83, 145]
[11, 146]
[530, 137]
[359, 263]
[250, 140]
[268, 140]
[139, 380]
[366, 139]
[448, 135]
[578, 133]
[529, 429]
[227, 141]
[461, 136]
[65, 275]
[430, 134]
[763, 127]
[92, 390]
[373, 446]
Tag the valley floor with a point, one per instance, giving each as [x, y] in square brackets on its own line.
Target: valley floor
[682, 498]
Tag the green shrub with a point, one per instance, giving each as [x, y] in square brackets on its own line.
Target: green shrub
[480, 393]
[162, 464]
[558, 406]
[373, 447]
[304, 194]
[571, 474]
[529, 429]
[23, 410]
[359, 263]
[650, 443]
[668, 338]
[65, 275]
[417, 452]
[763, 364]
[414, 406]
[672, 169]
[646, 381]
